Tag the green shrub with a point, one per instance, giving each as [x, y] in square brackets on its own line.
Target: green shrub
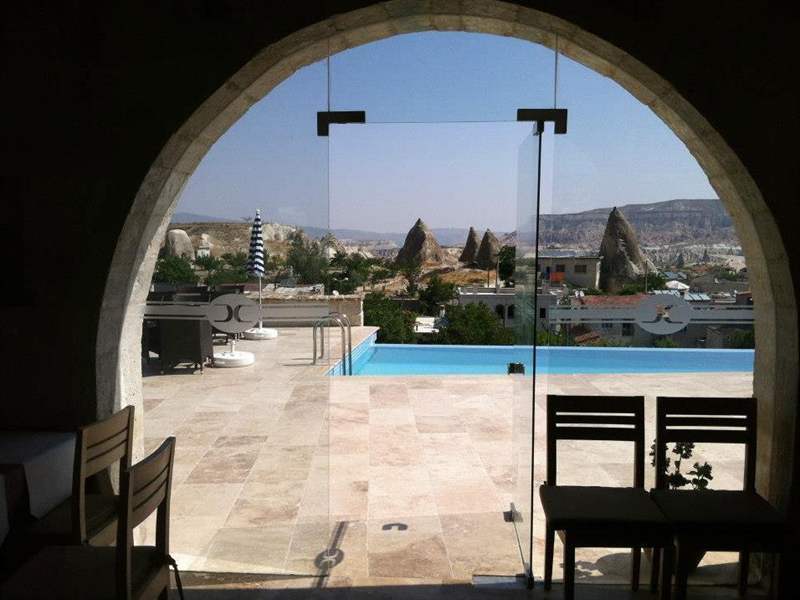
[396, 324]
[473, 324]
[436, 294]
[665, 342]
[175, 270]
[742, 339]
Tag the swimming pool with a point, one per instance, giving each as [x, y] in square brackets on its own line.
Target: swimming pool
[370, 358]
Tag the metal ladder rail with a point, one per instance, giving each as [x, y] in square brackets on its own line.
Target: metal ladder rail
[346, 319]
[341, 322]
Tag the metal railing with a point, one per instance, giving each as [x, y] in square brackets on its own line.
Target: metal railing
[343, 321]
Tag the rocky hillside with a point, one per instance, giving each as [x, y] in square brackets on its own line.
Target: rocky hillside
[659, 223]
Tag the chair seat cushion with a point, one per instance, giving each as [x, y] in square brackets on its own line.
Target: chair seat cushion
[716, 508]
[568, 507]
[86, 572]
[101, 519]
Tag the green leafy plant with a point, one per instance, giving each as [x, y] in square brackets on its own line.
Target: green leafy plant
[700, 474]
[506, 259]
[474, 324]
[437, 293]
[306, 258]
[742, 338]
[175, 270]
[396, 325]
[665, 342]
[411, 270]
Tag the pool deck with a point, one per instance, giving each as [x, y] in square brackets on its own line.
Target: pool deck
[270, 458]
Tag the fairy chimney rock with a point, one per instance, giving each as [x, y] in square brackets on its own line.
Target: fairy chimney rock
[178, 243]
[488, 251]
[470, 253]
[623, 260]
[420, 245]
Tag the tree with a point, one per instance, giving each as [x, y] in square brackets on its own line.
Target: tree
[235, 260]
[411, 269]
[472, 324]
[208, 263]
[680, 262]
[175, 270]
[307, 258]
[437, 292]
[649, 282]
[396, 325]
[506, 259]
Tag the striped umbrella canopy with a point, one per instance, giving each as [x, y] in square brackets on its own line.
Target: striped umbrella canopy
[255, 261]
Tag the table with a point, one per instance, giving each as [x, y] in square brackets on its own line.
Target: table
[46, 459]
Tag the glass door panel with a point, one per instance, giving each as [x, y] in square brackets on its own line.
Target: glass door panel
[522, 373]
[421, 448]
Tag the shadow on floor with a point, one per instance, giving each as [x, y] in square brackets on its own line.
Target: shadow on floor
[234, 586]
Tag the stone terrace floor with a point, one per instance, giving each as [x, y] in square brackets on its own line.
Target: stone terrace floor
[275, 460]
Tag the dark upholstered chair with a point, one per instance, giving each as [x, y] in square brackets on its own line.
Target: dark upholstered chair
[184, 340]
[121, 572]
[91, 518]
[604, 517]
[705, 520]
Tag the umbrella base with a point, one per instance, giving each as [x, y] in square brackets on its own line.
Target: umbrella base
[260, 333]
[237, 358]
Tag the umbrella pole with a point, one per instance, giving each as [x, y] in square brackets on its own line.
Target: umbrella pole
[260, 309]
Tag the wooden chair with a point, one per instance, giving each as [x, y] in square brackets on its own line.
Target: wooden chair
[91, 518]
[123, 572]
[604, 517]
[707, 520]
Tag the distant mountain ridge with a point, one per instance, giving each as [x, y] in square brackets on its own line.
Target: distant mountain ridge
[679, 221]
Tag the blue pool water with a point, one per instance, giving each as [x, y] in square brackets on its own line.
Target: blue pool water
[370, 358]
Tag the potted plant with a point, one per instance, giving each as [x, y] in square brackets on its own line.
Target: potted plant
[698, 477]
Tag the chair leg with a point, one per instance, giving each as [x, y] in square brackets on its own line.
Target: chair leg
[682, 572]
[636, 565]
[744, 570]
[569, 569]
[654, 569]
[666, 568]
[549, 544]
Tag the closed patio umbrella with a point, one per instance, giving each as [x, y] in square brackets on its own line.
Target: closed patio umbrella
[255, 267]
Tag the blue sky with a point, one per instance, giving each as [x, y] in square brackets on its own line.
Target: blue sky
[407, 163]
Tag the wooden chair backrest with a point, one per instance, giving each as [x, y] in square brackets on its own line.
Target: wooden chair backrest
[608, 418]
[97, 447]
[145, 488]
[713, 420]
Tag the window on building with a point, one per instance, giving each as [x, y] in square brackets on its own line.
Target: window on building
[500, 312]
[542, 313]
[607, 325]
[627, 329]
[580, 268]
[511, 312]
[561, 268]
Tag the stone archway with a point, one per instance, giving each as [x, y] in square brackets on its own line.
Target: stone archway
[775, 380]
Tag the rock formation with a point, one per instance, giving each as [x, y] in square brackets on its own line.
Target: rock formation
[420, 245]
[178, 244]
[470, 253]
[488, 251]
[623, 260]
